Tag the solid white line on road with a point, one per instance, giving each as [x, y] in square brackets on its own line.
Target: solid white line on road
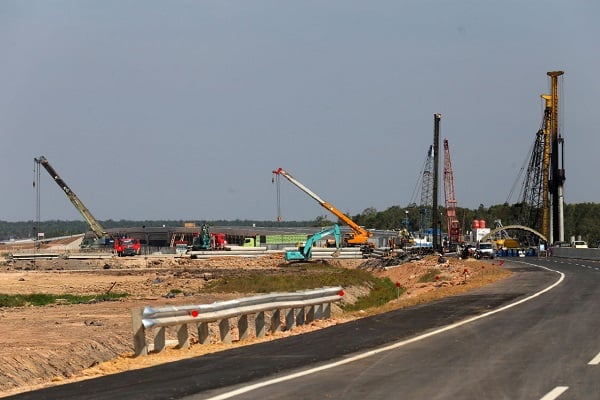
[360, 356]
[554, 393]
[595, 360]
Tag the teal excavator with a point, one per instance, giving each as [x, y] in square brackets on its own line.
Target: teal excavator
[304, 253]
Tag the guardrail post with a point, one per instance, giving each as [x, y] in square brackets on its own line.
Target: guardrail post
[159, 339]
[260, 324]
[183, 337]
[243, 327]
[327, 310]
[319, 311]
[300, 316]
[203, 334]
[310, 315]
[290, 319]
[139, 335]
[275, 321]
[224, 331]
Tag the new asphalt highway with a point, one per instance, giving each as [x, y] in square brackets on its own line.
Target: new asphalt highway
[532, 336]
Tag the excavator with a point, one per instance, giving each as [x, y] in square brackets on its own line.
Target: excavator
[359, 235]
[304, 253]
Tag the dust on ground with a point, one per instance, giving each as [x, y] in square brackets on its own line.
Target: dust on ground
[62, 343]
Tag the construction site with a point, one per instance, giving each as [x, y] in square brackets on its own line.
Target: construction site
[170, 265]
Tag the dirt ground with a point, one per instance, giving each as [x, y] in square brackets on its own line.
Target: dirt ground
[62, 343]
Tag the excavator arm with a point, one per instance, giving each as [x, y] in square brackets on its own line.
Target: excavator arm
[359, 236]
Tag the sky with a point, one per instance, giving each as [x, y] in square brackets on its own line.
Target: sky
[181, 110]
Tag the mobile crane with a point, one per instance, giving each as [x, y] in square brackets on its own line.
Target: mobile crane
[95, 226]
[359, 235]
[123, 246]
[304, 253]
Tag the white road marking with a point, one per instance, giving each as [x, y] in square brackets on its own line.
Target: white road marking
[554, 393]
[595, 360]
[393, 346]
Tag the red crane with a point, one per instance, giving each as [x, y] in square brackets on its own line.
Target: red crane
[451, 220]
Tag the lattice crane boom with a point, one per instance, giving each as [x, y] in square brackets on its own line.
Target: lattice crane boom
[426, 192]
[452, 223]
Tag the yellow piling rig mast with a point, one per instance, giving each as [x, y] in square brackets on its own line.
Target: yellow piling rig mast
[546, 166]
[359, 235]
[555, 163]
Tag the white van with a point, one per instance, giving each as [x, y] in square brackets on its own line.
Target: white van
[484, 250]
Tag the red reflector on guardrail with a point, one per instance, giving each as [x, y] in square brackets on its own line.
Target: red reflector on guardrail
[341, 293]
[194, 313]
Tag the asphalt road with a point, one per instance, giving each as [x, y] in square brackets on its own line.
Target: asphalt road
[547, 346]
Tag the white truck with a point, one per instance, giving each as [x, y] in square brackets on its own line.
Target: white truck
[484, 250]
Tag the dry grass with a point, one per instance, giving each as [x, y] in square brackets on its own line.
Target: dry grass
[482, 277]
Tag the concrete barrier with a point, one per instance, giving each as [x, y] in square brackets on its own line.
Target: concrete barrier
[570, 252]
[300, 307]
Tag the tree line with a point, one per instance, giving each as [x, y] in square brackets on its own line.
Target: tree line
[581, 220]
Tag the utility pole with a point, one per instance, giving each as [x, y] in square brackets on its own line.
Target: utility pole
[436, 152]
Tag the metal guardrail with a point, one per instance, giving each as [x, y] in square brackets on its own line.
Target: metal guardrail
[300, 307]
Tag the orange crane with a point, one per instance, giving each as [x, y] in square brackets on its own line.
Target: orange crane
[359, 235]
[452, 223]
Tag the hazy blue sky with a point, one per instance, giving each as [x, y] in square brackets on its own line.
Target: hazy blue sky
[181, 109]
